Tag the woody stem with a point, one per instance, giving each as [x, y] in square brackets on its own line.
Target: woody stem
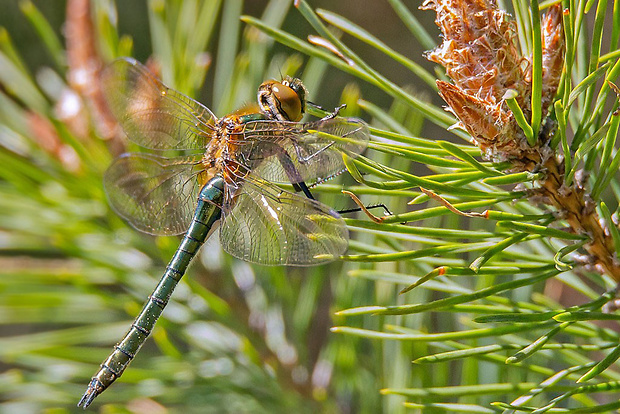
[582, 218]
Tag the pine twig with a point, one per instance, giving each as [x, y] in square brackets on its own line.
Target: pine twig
[481, 55]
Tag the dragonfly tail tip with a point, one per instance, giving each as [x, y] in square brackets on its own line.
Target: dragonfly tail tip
[94, 389]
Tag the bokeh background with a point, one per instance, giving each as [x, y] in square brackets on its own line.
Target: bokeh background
[238, 338]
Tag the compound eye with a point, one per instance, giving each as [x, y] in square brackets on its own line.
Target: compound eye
[290, 102]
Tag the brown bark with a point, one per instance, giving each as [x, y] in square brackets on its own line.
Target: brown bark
[571, 203]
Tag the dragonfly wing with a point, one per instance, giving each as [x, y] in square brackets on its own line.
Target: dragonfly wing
[156, 195]
[151, 114]
[266, 225]
[284, 152]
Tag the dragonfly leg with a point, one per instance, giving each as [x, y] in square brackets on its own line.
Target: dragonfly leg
[365, 210]
[206, 215]
[327, 178]
[329, 116]
[304, 188]
[386, 210]
[293, 174]
[335, 113]
[303, 160]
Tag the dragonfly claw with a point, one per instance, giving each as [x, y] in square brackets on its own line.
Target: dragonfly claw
[94, 389]
[335, 113]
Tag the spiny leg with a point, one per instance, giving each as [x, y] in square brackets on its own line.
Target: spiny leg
[293, 174]
[289, 167]
[329, 115]
[386, 210]
[301, 186]
[365, 209]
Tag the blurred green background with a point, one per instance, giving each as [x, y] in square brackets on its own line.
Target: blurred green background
[238, 338]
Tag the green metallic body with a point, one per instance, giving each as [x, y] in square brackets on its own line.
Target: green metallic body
[252, 117]
[207, 213]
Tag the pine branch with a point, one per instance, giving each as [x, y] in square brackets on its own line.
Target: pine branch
[480, 54]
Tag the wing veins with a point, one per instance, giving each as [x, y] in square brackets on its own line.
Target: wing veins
[169, 202]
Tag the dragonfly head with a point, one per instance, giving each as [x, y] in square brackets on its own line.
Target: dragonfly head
[284, 101]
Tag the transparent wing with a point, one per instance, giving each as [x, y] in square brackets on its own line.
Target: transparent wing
[151, 114]
[266, 225]
[156, 195]
[283, 152]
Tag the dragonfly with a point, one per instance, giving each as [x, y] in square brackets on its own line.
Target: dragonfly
[202, 172]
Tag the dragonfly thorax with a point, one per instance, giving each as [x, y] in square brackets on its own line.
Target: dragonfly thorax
[284, 101]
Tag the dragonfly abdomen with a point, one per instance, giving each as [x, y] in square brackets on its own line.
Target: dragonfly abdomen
[207, 213]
